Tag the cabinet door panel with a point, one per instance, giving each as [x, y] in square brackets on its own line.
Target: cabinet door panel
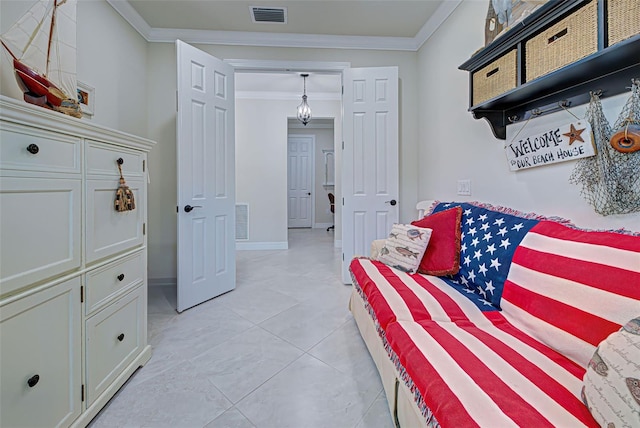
[103, 283]
[53, 152]
[115, 336]
[110, 231]
[40, 335]
[101, 160]
[40, 221]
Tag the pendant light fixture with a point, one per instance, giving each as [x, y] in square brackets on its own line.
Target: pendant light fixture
[304, 111]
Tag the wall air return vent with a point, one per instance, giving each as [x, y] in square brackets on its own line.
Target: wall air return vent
[242, 222]
[273, 15]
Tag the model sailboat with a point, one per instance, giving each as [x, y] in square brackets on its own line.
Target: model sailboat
[43, 47]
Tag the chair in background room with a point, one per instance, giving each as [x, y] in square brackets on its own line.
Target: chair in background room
[332, 207]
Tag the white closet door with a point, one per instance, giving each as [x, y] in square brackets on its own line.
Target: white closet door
[370, 159]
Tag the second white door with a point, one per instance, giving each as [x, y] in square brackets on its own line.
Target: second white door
[300, 161]
[206, 177]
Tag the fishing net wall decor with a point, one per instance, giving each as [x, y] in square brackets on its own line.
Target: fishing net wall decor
[610, 180]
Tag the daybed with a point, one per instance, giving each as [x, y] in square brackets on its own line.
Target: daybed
[509, 339]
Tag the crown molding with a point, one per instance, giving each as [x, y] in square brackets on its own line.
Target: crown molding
[287, 96]
[287, 40]
[271, 65]
[130, 15]
[435, 21]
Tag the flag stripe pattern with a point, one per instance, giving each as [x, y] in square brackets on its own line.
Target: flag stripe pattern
[574, 294]
[472, 360]
[494, 383]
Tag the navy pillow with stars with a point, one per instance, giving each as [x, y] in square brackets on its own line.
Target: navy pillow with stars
[487, 243]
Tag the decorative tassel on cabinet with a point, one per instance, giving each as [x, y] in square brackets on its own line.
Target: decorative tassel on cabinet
[124, 196]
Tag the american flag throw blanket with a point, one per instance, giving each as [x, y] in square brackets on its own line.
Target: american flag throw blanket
[506, 341]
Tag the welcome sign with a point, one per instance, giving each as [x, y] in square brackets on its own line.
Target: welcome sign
[559, 144]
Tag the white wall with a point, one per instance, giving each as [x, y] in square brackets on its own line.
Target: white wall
[261, 162]
[454, 146]
[111, 57]
[161, 103]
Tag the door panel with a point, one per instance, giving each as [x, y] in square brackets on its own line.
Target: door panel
[370, 159]
[300, 173]
[206, 177]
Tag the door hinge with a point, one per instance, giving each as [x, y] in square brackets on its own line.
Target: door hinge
[176, 100]
[342, 256]
[342, 201]
[82, 294]
[82, 393]
[144, 228]
[143, 165]
[342, 89]
[343, 145]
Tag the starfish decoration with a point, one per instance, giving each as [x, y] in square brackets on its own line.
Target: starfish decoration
[574, 134]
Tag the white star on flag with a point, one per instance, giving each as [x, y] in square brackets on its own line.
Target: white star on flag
[483, 269]
[477, 254]
[463, 248]
[495, 263]
[498, 222]
[489, 287]
[491, 249]
[505, 243]
[503, 231]
[518, 227]
[467, 261]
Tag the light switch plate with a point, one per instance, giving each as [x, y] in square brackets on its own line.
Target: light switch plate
[464, 187]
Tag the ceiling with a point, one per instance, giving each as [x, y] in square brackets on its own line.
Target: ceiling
[338, 24]
[397, 18]
[359, 24]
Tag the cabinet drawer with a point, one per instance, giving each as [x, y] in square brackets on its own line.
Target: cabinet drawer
[51, 152]
[102, 160]
[40, 369]
[105, 282]
[115, 336]
[40, 221]
[110, 231]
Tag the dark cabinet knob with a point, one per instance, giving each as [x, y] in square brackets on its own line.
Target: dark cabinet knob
[33, 148]
[120, 277]
[189, 208]
[121, 337]
[120, 161]
[33, 380]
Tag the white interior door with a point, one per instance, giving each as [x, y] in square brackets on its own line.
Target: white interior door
[300, 183]
[206, 177]
[370, 159]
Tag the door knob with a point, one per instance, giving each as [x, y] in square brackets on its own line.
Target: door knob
[33, 149]
[33, 380]
[189, 208]
[309, 193]
[392, 202]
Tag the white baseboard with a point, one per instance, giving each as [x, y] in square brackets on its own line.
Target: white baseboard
[241, 246]
[159, 282]
[337, 243]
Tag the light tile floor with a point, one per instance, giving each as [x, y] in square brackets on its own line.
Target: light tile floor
[281, 350]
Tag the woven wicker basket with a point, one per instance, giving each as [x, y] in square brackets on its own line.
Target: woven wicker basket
[623, 18]
[571, 39]
[496, 78]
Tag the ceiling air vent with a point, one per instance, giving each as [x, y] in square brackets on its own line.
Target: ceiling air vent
[275, 15]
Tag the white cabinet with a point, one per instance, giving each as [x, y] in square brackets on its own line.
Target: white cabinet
[40, 366]
[73, 270]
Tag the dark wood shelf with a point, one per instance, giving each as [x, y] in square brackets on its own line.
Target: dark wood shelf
[609, 70]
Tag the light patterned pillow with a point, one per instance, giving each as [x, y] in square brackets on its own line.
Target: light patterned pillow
[405, 247]
[611, 388]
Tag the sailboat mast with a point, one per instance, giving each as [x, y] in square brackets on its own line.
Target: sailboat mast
[53, 21]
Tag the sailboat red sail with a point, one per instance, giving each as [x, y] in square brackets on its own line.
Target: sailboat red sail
[42, 45]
